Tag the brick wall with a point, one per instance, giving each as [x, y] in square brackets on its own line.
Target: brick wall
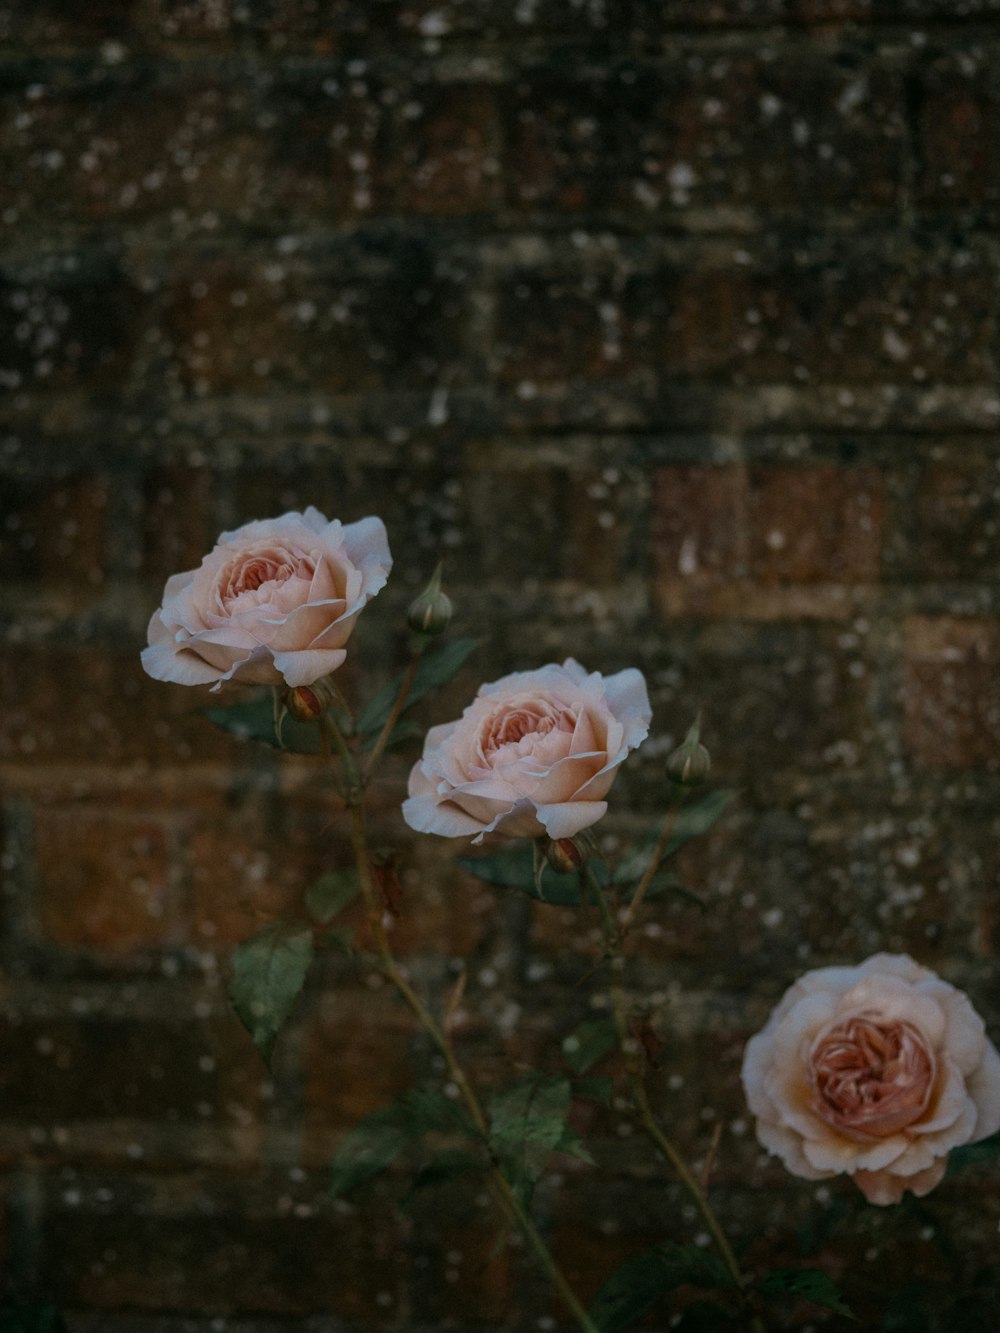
[675, 325]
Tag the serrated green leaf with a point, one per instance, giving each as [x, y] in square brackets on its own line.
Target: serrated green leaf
[445, 1166]
[808, 1284]
[437, 666]
[340, 937]
[573, 1146]
[514, 868]
[331, 893]
[527, 1123]
[269, 970]
[375, 1143]
[31, 1319]
[594, 1090]
[589, 1043]
[254, 721]
[640, 1282]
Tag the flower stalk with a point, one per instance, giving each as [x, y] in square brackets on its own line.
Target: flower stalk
[500, 1186]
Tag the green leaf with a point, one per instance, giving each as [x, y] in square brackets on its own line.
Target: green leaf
[514, 868]
[341, 937]
[269, 970]
[573, 1146]
[707, 1317]
[375, 1143]
[808, 1284]
[974, 1154]
[31, 1319]
[437, 666]
[594, 1090]
[640, 1282]
[692, 820]
[527, 1124]
[590, 1043]
[331, 893]
[445, 1166]
[254, 721]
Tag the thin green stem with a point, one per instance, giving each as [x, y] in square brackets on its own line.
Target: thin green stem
[400, 702]
[655, 861]
[614, 938]
[501, 1188]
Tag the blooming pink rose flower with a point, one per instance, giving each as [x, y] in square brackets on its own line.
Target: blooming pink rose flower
[534, 754]
[274, 602]
[877, 1070]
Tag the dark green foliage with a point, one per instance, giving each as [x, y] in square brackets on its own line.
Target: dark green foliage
[588, 1044]
[269, 970]
[514, 868]
[437, 666]
[808, 1284]
[527, 1124]
[255, 721]
[327, 896]
[640, 1282]
[374, 1144]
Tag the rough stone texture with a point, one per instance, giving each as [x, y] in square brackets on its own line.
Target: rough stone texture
[673, 324]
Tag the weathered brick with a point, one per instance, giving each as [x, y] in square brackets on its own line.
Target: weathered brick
[147, 1251]
[553, 327]
[738, 131]
[954, 530]
[63, 22]
[821, 314]
[728, 539]
[54, 531]
[378, 317]
[959, 127]
[67, 323]
[951, 691]
[446, 153]
[103, 880]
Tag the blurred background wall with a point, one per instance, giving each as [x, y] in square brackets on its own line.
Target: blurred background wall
[673, 324]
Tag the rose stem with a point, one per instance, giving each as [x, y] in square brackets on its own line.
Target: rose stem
[655, 861]
[502, 1190]
[614, 938]
[393, 718]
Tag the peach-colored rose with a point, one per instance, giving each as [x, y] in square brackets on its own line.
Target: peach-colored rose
[534, 754]
[878, 1071]
[275, 601]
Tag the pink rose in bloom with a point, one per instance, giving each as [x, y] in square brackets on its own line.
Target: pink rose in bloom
[534, 754]
[274, 602]
[877, 1070]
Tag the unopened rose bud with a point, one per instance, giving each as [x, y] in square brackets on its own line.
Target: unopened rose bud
[690, 763]
[565, 855]
[306, 703]
[431, 612]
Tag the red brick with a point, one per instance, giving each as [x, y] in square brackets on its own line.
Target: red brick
[794, 132]
[554, 327]
[959, 129]
[766, 541]
[178, 521]
[365, 323]
[54, 532]
[951, 691]
[67, 324]
[821, 315]
[955, 533]
[37, 22]
[446, 154]
[103, 880]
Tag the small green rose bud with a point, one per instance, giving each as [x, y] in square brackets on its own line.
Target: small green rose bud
[306, 703]
[690, 763]
[430, 613]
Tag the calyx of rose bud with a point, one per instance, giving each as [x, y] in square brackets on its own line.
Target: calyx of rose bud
[431, 612]
[306, 703]
[689, 764]
[565, 855]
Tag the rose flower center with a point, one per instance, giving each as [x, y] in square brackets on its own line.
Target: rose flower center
[254, 577]
[871, 1077]
[523, 729]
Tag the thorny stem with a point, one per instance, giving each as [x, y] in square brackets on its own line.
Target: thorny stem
[501, 1188]
[614, 938]
[393, 718]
